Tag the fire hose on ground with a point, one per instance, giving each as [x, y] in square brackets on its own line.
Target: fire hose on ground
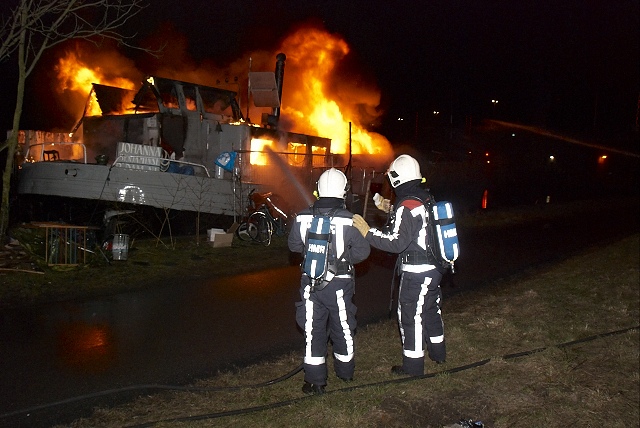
[289, 375]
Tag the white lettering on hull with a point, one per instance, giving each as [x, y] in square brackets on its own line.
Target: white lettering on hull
[138, 156]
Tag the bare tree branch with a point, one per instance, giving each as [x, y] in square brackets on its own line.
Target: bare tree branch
[9, 30]
[34, 26]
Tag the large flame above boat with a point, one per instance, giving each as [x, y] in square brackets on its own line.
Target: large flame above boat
[319, 106]
[77, 74]
[317, 100]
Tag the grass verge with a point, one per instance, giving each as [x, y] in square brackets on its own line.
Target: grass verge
[153, 263]
[149, 264]
[558, 348]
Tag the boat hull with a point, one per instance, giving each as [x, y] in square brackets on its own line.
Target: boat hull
[157, 189]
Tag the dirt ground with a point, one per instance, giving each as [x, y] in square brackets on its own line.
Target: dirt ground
[14, 257]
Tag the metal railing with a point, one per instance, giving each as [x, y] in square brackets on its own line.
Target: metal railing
[53, 153]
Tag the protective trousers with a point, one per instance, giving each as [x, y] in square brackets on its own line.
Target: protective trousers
[420, 320]
[327, 314]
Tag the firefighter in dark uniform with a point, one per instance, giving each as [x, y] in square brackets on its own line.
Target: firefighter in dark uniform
[419, 298]
[326, 311]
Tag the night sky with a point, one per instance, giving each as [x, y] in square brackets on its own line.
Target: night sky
[571, 66]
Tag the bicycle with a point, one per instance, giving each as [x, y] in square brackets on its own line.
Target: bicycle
[264, 220]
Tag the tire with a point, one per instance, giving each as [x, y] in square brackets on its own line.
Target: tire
[259, 222]
[247, 231]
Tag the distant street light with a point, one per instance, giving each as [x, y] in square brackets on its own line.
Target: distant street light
[495, 104]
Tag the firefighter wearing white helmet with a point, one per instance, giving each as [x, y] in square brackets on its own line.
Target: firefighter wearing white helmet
[327, 310]
[332, 184]
[402, 170]
[420, 296]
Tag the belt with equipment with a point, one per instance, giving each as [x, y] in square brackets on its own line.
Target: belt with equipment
[341, 267]
[414, 258]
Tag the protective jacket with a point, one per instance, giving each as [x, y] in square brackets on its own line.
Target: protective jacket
[407, 232]
[349, 246]
[329, 312]
[419, 296]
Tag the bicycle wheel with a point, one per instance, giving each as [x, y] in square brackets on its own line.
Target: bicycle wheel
[263, 227]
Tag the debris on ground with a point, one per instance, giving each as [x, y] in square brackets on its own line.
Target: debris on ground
[14, 258]
[466, 423]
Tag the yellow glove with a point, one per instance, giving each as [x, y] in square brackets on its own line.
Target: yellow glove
[360, 224]
[382, 203]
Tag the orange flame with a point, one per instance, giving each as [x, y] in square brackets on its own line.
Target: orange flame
[296, 152]
[77, 76]
[308, 99]
[258, 156]
[316, 99]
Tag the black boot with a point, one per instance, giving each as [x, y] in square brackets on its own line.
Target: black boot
[311, 388]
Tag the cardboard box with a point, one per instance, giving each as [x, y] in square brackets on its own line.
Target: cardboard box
[219, 238]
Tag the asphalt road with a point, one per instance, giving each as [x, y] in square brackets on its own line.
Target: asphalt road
[124, 343]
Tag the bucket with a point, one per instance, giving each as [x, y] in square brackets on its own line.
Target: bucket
[120, 246]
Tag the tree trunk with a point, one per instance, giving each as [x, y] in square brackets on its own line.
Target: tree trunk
[12, 143]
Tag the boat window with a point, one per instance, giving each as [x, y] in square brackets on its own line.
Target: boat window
[319, 154]
[168, 93]
[113, 100]
[190, 97]
[297, 153]
[216, 102]
[145, 100]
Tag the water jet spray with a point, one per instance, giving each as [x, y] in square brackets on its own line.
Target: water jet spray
[277, 160]
[546, 133]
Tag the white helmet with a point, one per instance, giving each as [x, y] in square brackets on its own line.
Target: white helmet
[403, 169]
[332, 184]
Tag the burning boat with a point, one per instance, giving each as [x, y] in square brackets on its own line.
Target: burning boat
[171, 145]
